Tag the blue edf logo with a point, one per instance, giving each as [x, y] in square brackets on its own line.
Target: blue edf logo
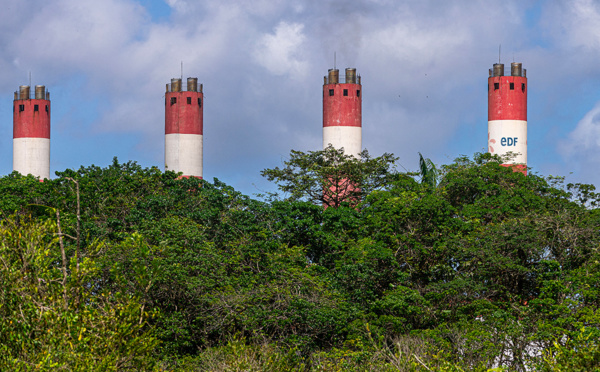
[509, 141]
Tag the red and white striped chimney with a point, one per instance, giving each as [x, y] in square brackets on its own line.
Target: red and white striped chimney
[507, 114]
[184, 127]
[31, 132]
[342, 112]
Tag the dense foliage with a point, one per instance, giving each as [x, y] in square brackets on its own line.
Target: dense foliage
[330, 177]
[126, 268]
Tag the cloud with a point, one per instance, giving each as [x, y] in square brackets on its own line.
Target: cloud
[584, 141]
[578, 23]
[281, 52]
[78, 32]
[125, 59]
[423, 65]
[580, 149]
[178, 5]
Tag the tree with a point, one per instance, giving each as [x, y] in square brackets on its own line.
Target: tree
[53, 314]
[428, 171]
[330, 177]
[484, 269]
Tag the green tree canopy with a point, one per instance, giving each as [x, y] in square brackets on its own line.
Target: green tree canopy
[485, 269]
[330, 177]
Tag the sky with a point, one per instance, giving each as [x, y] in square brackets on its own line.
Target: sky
[424, 67]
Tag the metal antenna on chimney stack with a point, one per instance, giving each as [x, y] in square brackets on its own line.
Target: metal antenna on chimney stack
[499, 51]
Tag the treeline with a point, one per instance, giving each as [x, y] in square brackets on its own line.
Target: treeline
[129, 268]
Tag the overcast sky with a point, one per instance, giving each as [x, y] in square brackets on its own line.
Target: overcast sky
[424, 67]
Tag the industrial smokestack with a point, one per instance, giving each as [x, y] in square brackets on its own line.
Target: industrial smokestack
[351, 75]
[192, 84]
[342, 112]
[334, 76]
[184, 128]
[507, 115]
[31, 132]
[40, 92]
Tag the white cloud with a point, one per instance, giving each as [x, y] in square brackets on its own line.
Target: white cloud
[281, 52]
[578, 21]
[178, 5]
[584, 141]
[580, 150]
[423, 65]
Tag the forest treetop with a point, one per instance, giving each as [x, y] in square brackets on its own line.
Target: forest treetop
[129, 267]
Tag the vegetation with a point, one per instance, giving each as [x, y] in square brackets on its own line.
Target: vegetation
[330, 177]
[467, 266]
